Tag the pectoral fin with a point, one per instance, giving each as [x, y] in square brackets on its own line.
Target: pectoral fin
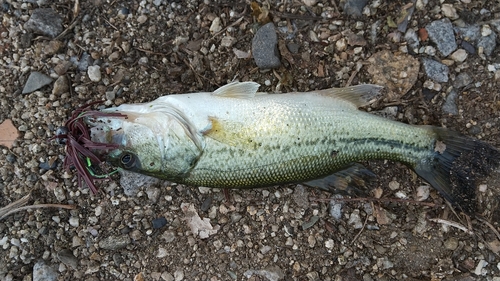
[231, 133]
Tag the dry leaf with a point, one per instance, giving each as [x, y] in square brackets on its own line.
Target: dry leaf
[200, 227]
[381, 215]
[139, 277]
[241, 54]
[8, 133]
[261, 14]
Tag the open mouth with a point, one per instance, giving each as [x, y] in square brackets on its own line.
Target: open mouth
[82, 153]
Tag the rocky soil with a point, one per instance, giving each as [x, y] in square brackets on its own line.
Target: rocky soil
[438, 61]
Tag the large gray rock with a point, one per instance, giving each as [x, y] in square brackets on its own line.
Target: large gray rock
[43, 272]
[435, 70]
[354, 7]
[265, 47]
[35, 81]
[45, 21]
[441, 33]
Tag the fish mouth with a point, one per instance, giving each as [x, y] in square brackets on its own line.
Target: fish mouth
[86, 147]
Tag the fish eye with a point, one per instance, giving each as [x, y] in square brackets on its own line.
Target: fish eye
[127, 160]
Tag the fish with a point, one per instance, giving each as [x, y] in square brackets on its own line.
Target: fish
[237, 137]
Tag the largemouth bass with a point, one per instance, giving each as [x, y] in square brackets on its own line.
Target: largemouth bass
[236, 137]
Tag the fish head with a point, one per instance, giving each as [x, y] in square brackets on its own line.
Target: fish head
[149, 140]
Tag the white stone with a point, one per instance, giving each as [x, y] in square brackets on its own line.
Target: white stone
[341, 44]
[485, 30]
[393, 185]
[431, 51]
[480, 266]
[227, 41]
[449, 11]
[329, 244]
[204, 190]
[309, 3]
[74, 222]
[423, 192]
[94, 73]
[162, 252]
[142, 19]
[98, 211]
[421, 4]
[215, 26]
[459, 55]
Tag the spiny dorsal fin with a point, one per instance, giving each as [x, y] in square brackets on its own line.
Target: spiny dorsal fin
[242, 90]
[359, 95]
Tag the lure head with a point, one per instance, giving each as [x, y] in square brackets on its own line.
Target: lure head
[151, 140]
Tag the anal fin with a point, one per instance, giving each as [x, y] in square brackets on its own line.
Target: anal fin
[350, 181]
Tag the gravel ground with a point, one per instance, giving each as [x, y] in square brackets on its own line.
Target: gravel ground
[440, 67]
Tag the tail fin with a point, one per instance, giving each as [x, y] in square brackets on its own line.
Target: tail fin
[456, 165]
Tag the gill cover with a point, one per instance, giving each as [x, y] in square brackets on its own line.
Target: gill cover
[155, 139]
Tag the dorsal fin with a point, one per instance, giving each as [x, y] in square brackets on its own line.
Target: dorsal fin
[242, 90]
[359, 95]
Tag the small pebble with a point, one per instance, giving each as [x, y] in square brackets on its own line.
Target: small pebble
[487, 44]
[479, 268]
[423, 192]
[355, 219]
[310, 223]
[449, 11]
[485, 30]
[94, 73]
[66, 256]
[336, 207]
[142, 19]
[153, 193]
[61, 85]
[123, 13]
[215, 26]
[451, 243]
[450, 105]
[459, 55]
[159, 222]
[74, 222]
[115, 242]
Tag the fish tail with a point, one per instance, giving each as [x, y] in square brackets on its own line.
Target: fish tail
[456, 165]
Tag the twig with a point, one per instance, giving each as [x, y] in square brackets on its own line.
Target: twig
[489, 225]
[361, 230]
[16, 204]
[197, 75]
[38, 206]
[110, 24]
[224, 29]
[66, 31]
[389, 200]
[153, 53]
[353, 74]
[454, 224]
[297, 17]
